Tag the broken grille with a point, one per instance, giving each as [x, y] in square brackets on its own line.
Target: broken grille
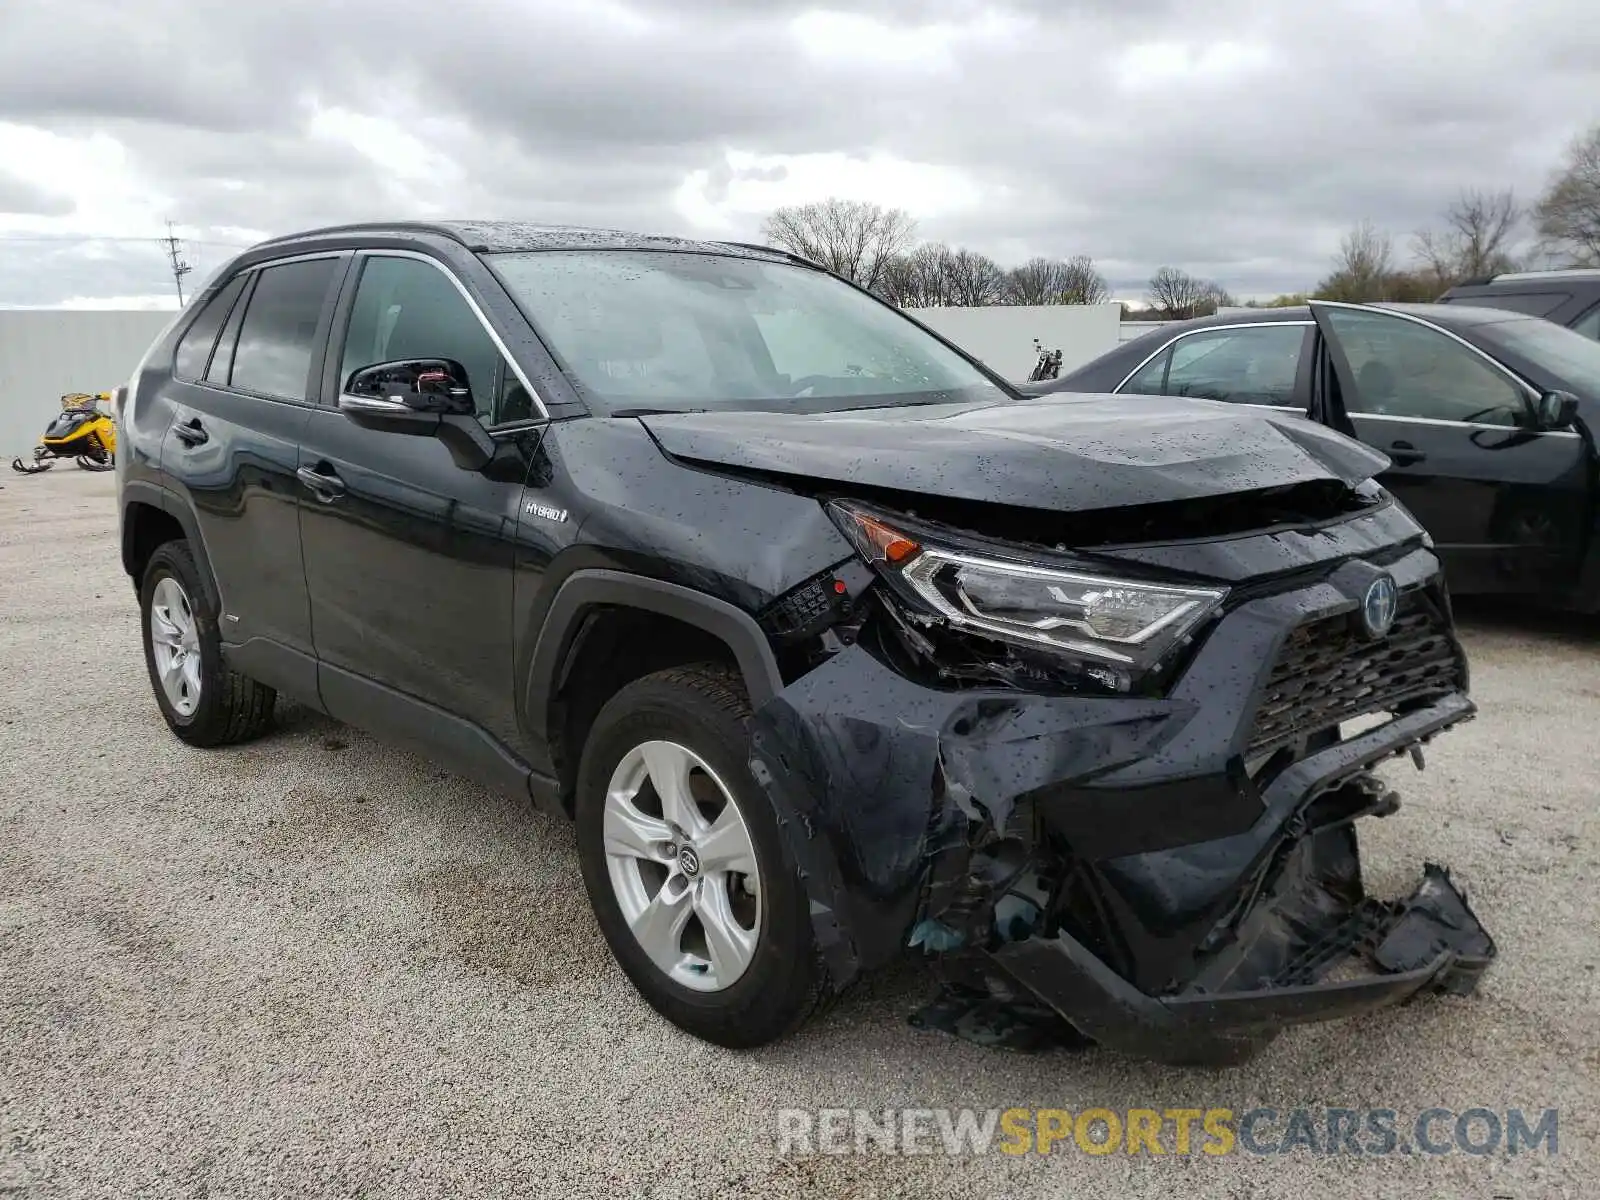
[1328, 671]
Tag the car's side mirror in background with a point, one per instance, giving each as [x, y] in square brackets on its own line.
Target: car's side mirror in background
[426, 396]
[1557, 410]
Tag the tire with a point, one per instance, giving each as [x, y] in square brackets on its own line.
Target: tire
[703, 710]
[228, 707]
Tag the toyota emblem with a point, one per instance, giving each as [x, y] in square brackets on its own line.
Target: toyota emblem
[1378, 606]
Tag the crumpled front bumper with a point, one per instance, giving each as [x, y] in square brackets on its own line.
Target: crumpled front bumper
[1382, 954]
[1108, 867]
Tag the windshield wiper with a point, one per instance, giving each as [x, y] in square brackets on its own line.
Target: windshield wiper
[653, 412]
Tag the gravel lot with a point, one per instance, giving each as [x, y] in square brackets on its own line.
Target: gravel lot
[317, 965]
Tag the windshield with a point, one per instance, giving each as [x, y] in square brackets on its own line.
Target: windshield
[1570, 356]
[661, 330]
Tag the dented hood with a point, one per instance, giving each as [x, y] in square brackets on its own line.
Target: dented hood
[1055, 452]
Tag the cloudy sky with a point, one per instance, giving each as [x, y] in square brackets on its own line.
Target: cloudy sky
[1235, 138]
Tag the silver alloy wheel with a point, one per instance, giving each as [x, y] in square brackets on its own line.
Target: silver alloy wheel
[175, 642]
[682, 866]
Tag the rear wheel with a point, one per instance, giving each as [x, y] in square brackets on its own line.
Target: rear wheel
[684, 864]
[204, 703]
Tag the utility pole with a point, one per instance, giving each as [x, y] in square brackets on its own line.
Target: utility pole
[179, 267]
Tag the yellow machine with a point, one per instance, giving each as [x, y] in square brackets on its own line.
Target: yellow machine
[84, 432]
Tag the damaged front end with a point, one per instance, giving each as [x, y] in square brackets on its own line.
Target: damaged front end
[1107, 821]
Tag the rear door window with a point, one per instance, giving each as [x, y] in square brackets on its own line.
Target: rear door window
[1589, 324]
[194, 349]
[278, 336]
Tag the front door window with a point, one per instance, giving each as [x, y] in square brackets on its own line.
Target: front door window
[1400, 368]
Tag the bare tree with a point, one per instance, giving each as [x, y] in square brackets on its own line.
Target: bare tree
[1479, 231]
[1567, 216]
[1084, 283]
[973, 279]
[934, 276]
[1037, 281]
[1178, 295]
[916, 279]
[1364, 267]
[1057, 281]
[851, 237]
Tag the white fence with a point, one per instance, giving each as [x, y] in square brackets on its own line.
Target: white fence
[45, 353]
[1002, 335]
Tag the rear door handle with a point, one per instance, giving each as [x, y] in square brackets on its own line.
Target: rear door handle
[1404, 454]
[191, 433]
[325, 486]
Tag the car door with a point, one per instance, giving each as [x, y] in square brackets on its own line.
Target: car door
[242, 379]
[1263, 365]
[1504, 500]
[409, 557]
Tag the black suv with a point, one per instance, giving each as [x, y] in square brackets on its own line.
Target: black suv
[1570, 297]
[830, 642]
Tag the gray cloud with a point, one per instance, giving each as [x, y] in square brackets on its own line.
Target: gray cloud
[52, 271]
[1234, 139]
[24, 197]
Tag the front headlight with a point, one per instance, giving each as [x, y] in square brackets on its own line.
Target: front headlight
[1128, 625]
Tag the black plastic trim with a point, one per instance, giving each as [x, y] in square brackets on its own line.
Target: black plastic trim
[405, 720]
[587, 589]
[142, 491]
[280, 667]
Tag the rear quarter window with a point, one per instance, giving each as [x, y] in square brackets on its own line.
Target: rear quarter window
[194, 348]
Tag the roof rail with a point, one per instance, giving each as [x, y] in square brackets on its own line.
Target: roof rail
[1534, 276]
[438, 230]
[752, 246]
[779, 250]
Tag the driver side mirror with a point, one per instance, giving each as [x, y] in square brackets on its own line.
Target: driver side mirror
[407, 396]
[423, 396]
[1556, 410]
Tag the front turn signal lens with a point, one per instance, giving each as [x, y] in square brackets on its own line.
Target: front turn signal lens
[874, 540]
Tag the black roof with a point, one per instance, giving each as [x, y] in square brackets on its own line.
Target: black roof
[1458, 314]
[500, 237]
[1531, 281]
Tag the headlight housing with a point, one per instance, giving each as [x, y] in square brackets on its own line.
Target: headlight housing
[1119, 629]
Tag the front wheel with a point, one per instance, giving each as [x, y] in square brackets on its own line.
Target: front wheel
[684, 864]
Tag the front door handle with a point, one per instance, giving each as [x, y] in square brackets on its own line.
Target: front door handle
[191, 433]
[324, 485]
[1404, 454]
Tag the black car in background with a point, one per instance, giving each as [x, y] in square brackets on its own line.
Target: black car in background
[1570, 298]
[1485, 415]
